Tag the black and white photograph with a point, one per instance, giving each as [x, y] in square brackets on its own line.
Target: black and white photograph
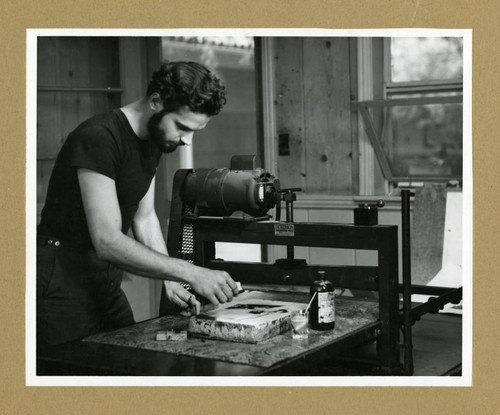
[249, 207]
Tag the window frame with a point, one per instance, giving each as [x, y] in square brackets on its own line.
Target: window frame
[391, 93]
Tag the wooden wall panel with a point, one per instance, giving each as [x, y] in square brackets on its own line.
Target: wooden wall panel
[327, 115]
[75, 108]
[48, 120]
[74, 69]
[44, 168]
[104, 51]
[289, 110]
[49, 135]
[48, 61]
[313, 109]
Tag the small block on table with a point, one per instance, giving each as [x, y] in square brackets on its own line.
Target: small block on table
[161, 335]
[171, 335]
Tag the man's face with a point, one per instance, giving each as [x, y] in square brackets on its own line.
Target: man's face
[173, 129]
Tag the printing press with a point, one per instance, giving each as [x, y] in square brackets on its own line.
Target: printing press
[372, 334]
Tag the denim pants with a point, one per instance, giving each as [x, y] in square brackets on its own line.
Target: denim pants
[77, 294]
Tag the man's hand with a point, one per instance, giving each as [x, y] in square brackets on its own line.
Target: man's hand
[178, 295]
[217, 286]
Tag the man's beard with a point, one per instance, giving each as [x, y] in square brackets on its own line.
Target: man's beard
[157, 135]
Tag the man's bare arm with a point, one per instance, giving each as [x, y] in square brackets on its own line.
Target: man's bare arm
[147, 230]
[146, 226]
[104, 220]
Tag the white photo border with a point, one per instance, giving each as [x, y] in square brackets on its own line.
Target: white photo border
[30, 307]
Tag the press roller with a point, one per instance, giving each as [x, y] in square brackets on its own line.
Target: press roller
[221, 192]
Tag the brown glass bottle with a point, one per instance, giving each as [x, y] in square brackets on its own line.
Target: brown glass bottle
[322, 310]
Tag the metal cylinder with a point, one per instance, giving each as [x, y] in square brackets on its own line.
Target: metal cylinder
[224, 191]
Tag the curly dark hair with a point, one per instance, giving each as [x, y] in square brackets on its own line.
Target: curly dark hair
[188, 83]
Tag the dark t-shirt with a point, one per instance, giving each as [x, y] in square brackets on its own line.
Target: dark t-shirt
[106, 144]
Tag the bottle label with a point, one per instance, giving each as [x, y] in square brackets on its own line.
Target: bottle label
[326, 307]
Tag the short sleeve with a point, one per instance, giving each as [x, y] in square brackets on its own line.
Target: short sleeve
[96, 149]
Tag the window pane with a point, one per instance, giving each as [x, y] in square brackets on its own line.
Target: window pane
[229, 251]
[424, 140]
[234, 130]
[426, 58]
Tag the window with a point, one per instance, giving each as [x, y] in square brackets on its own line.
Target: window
[415, 125]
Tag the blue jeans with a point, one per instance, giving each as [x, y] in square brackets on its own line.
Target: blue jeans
[77, 294]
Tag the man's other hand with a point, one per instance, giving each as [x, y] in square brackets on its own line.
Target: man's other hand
[217, 286]
[178, 295]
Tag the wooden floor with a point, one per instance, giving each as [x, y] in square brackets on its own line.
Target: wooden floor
[437, 345]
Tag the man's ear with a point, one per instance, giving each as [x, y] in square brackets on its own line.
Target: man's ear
[155, 101]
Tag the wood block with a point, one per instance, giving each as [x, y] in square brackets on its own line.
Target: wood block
[244, 320]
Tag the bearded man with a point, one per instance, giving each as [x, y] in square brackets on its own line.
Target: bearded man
[102, 186]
